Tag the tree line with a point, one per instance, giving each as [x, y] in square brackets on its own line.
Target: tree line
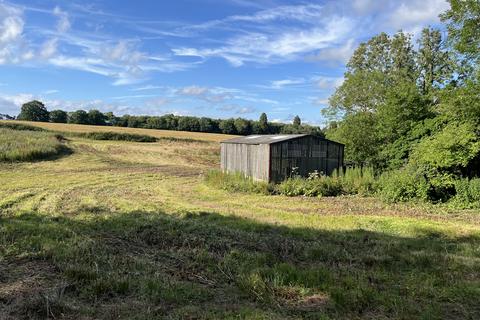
[36, 111]
[414, 108]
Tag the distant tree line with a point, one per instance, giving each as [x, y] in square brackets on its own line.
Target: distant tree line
[36, 111]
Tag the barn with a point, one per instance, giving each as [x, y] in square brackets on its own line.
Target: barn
[272, 158]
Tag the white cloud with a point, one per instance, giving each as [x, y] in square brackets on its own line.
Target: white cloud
[280, 84]
[147, 87]
[278, 45]
[49, 48]
[337, 54]
[193, 91]
[63, 24]
[325, 83]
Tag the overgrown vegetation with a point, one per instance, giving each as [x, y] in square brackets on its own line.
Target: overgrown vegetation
[414, 111]
[235, 182]
[19, 126]
[21, 145]
[114, 136]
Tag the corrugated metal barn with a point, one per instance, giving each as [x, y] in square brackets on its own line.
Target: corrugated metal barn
[272, 157]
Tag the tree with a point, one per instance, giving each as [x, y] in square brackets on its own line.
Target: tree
[263, 123]
[95, 117]
[297, 121]
[434, 64]
[227, 126]
[34, 111]
[110, 119]
[58, 116]
[242, 126]
[357, 132]
[78, 117]
[463, 25]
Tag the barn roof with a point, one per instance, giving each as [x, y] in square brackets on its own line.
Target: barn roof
[264, 138]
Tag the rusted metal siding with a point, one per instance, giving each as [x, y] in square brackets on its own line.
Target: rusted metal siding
[274, 162]
[249, 159]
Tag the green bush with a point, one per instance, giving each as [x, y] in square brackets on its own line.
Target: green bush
[236, 182]
[18, 145]
[467, 193]
[19, 126]
[316, 187]
[403, 185]
[115, 136]
[357, 180]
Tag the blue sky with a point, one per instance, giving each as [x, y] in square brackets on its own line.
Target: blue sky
[216, 58]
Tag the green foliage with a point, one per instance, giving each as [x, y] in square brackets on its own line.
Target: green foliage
[357, 180]
[352, 181]
[34, 111]
[95, 117]
[362, 142]
[323, 186]
[115, 136]
[403, 185]
[78, 117]
[467, 193]
[263, 123]
[19, 126]
[235, 182]
[448, 151]
[463, 19]
[23, 145]
[58, 116]
[297, 121]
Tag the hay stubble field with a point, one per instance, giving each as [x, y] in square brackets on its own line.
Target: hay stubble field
[129, 230]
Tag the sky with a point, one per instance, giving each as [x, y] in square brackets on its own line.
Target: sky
[213, 58]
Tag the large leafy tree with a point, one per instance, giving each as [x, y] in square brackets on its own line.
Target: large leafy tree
[78, 117]
[58, 116]
[34, 111]
[95, 117]
[434, 63]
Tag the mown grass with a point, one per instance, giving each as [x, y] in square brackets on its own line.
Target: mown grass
[130, 231]
[18, 145]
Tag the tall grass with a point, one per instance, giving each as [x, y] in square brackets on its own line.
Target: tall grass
[352, 181]
[17, 145]
[115, 136]
[19, 126]
[235, 182]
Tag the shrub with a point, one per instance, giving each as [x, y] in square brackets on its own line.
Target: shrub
[403, 185]
[236, 182]
[115, 136]
[357, 180]
[19, 126]
[27, 146]
[467, 193]
[315, 187]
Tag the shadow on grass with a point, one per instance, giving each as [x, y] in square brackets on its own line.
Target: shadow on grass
[204, 265]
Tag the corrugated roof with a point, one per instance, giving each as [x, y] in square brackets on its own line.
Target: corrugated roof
[264, 138]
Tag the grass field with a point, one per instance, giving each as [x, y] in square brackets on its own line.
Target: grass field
[18, 145]
[63, 127]
[127, 230]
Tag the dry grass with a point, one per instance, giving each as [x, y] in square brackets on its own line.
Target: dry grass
[124, 230]
[62, 127]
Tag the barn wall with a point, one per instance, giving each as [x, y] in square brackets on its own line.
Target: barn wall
[307, 154]
[250, 159]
